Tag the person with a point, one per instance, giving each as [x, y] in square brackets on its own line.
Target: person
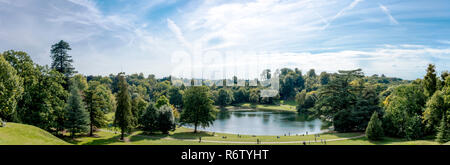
[304, 143]
[199, 139]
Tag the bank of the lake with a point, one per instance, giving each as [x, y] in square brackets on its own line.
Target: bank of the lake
[185, 136]
[281, 106]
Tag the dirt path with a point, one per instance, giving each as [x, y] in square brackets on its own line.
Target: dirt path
[241, 142]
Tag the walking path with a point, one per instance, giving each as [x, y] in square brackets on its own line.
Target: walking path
[241, 142]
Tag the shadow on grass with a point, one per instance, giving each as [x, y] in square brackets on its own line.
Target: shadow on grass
[147, 136]
[110, 140]
[190, 135]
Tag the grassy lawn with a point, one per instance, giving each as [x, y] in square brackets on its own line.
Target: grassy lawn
[282, 106]
[185, 136]
[384, 141]
[21, 134]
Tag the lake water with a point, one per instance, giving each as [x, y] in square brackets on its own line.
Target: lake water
[264, 123]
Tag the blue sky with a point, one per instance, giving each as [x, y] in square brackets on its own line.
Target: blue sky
[223, 38]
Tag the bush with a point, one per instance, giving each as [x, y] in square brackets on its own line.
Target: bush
[166, 119]
[374, 130]
[161, 119]
[149, 119]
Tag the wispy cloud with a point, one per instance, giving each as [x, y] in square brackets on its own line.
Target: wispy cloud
[341, 12]
[141, 36]
[178, 34]
[388, 13]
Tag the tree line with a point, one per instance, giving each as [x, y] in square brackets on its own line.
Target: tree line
[59, 100]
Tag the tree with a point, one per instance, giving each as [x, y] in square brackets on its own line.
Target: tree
[254, 95]
[47, 101]
[287, 86]
[149, 120]
[324, 78]
[80, 81]
[374, 130]
[225, 97]
[166, 119]
[435, 107]
[97, 103]
[338, 94]
[138, 106]
[311, 73]
[176, 96]
[300, 97]
[62, 61]
[346, 101]
[77, 116]
[403, 111]
[430, 81]
[198, 108]
[10, 89]
[123, 116]
[25, 68]
[241, 95]
[443, 131]
[162, 100]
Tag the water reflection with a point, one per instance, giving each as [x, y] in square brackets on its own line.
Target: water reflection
[265, 123]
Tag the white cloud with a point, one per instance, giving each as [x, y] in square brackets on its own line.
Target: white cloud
[340, 13]
[178, 34]
[388, 13]
[294, 33]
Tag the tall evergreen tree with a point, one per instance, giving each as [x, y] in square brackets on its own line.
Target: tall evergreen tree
[198, 109]
[444, 131]
[123, 116]
[430, 80]
[97, 104]
[62, 61]
[374, 130]
[77, 116]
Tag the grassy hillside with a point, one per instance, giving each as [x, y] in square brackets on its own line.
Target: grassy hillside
[21, 134]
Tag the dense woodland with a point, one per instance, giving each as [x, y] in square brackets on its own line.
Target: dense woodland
[59, 100]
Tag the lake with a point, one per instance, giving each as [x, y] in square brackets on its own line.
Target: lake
[256, 122]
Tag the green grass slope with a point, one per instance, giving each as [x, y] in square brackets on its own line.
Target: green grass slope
[21, 134]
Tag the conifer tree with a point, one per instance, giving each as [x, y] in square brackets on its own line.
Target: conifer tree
[444, 132]
[430, 81]
[77, 116]
[97, 105]
[374, 129]
[123, 116]
[62, 61]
